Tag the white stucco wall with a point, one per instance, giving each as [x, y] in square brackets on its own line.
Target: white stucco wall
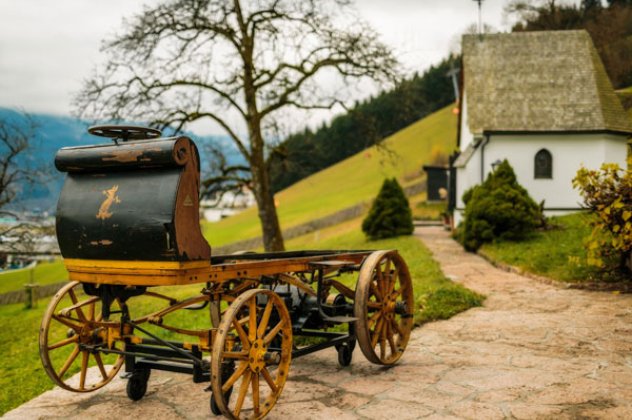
[569, 152]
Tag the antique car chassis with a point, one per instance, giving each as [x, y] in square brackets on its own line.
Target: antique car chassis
[256, 302]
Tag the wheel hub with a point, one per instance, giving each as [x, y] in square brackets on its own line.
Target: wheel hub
[257, 355]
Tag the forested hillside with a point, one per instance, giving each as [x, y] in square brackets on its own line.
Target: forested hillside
[368, 123]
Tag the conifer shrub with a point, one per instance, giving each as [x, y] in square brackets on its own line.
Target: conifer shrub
[390, 214]
[499, 208]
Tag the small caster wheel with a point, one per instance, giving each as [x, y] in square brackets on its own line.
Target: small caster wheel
[214, 408]
[137, 385]
[345, 354]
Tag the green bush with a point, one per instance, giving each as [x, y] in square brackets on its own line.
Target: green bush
[499, 208]
[390, 214]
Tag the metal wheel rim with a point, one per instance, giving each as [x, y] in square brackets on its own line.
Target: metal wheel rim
[243, 368]
[45, 349]
[387, 331]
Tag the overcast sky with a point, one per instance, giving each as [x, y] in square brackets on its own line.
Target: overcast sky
[48, 47]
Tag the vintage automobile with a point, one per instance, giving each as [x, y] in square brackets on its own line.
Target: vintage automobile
[128, 229]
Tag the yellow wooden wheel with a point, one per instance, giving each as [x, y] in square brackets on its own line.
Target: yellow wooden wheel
[251, 354]
[384, 305]
[70, 333]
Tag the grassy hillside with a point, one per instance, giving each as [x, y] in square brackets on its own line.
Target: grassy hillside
[351, 181]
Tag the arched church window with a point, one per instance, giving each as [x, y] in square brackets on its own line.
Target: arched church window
[543, 165]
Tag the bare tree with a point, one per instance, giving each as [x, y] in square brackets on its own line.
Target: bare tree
[15, 135]
[238, 63]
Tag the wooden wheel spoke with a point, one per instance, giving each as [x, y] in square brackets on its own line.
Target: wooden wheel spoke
[394, 278]
[387, 268]
[395, 325]
[255, 392]
[242, 334]
[265, 318]
[238, 355]
[383, 344]
[375, 292]
[374, 305]
[268, 378]
[67, 322]
[252, 319]
[233, 378]
[97, 358]
[374, 319]
[68, 362]
[84, 369]
[272, 333]
[377, 332]
[78, 309]
[64, 342]
[391, 340]
[380, 279]
[243, 390]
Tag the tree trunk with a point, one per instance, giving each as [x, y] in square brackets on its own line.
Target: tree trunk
[270, 227]
[272, 236]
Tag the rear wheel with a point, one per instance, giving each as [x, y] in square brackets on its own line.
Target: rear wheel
[384, 307]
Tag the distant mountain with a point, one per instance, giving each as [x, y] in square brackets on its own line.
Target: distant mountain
[54, 132]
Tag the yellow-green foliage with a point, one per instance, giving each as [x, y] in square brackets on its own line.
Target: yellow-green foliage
[354, 180]
[608, 193]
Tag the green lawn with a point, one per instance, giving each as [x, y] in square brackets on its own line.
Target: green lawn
[557, 253]
[22, 374]
[42, 273]
[352, 181]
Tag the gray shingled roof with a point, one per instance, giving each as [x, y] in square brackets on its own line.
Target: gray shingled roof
[539, 81]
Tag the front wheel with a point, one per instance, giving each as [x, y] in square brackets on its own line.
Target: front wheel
[70, 337]
[258, 339]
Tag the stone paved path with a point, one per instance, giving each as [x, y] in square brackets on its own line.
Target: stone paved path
[533, 351]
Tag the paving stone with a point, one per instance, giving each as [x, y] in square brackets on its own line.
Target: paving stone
[390, 410]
